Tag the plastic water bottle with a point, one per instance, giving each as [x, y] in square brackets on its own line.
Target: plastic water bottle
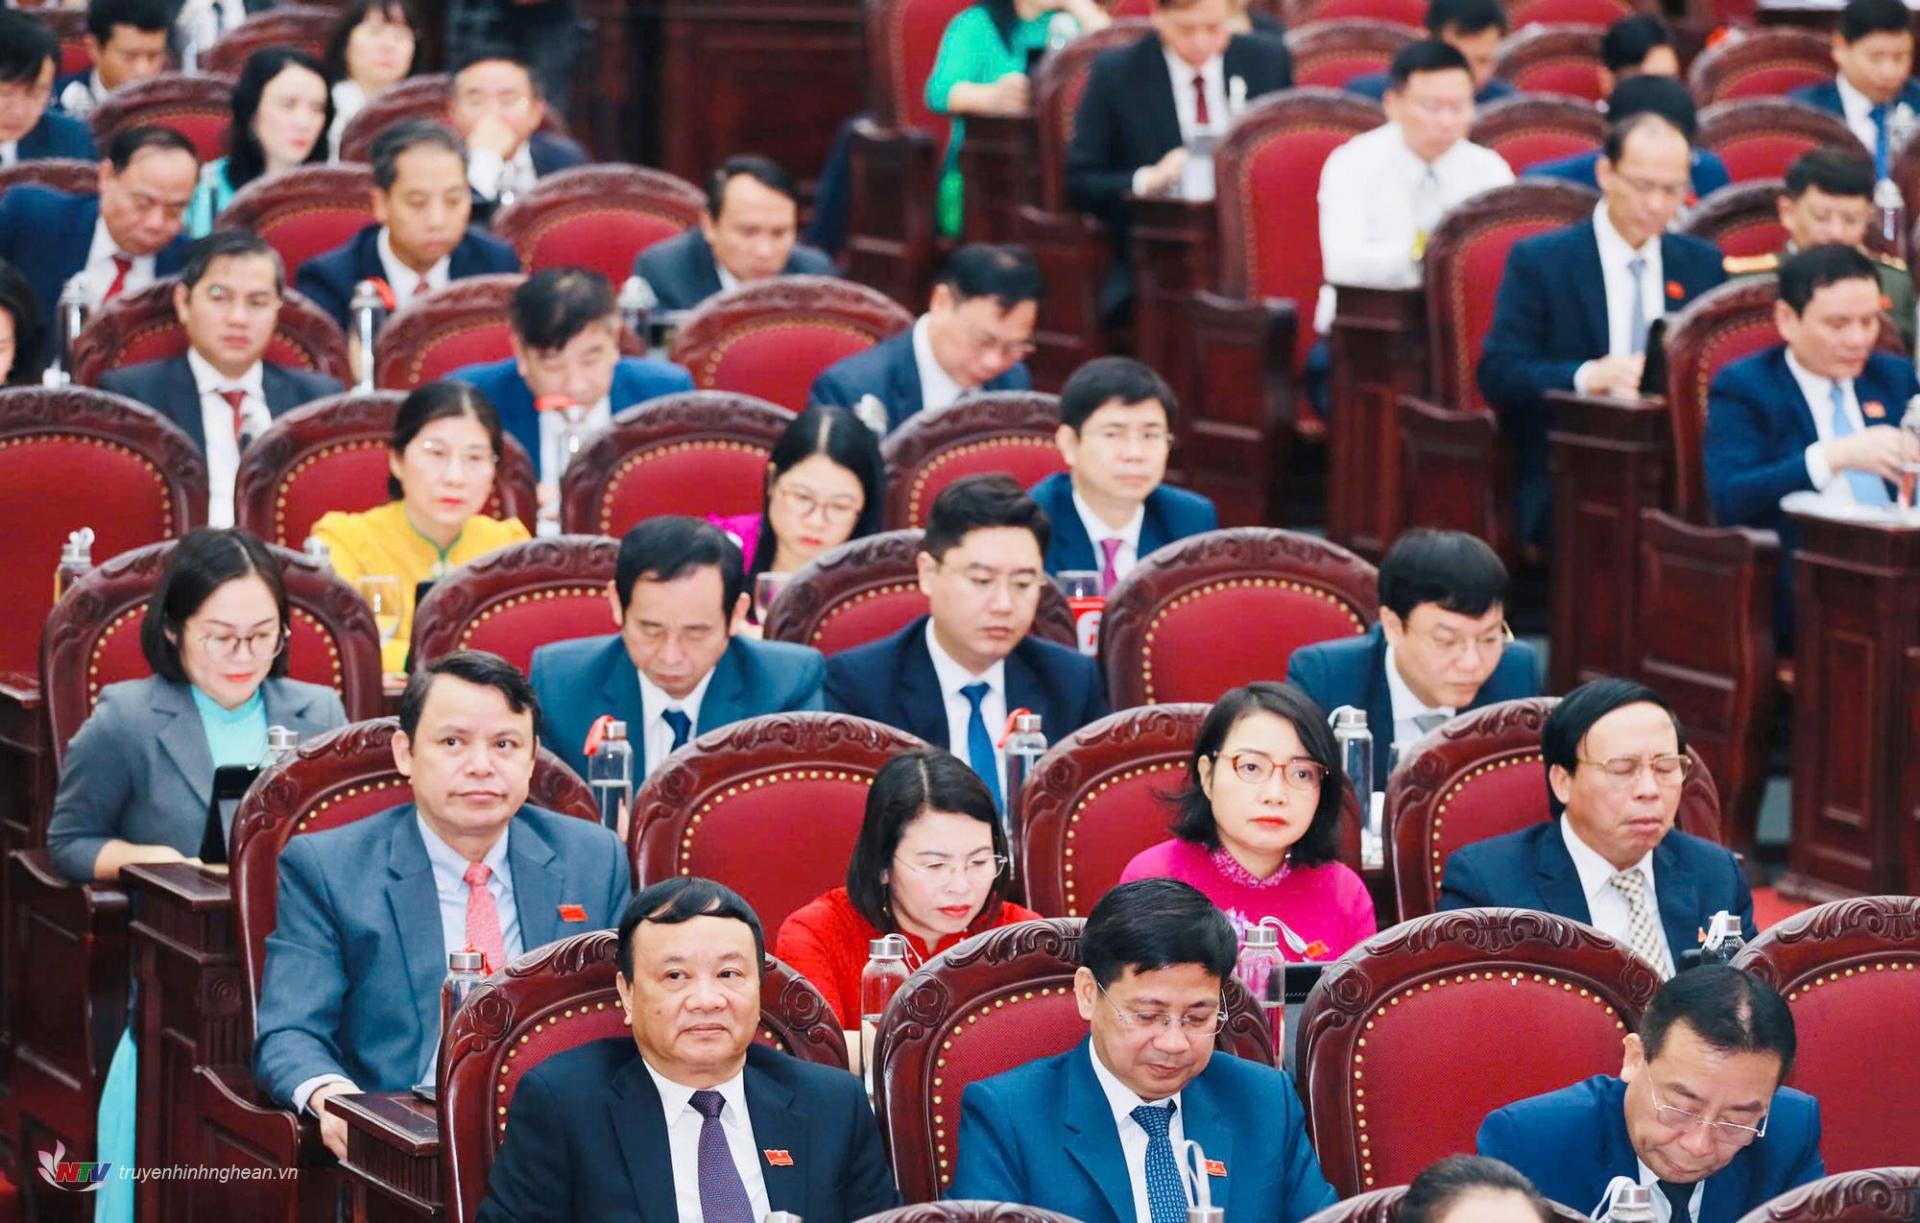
[637, 301]
[282, 742]
[466, 972]
[363, 306]
[1890, 214]
[880, 980]
[1724, 939]
[72, 319]
[1630, 1203]
[1262, 969]
[1061, 30]
[1025, 745]
[610, 774]
[318, 551]
[782, 1216]
[76, 559]
[1356, 758]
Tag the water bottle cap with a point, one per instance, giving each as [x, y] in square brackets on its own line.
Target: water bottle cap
[887, 947]
[616, 730]
[282, 738]
[1206, 1214]
[1027, 724]
[1632, 1197]
[1348, 717]
[465, 961]
[1264, 937]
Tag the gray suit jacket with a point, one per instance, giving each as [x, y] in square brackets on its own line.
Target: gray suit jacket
[140, 769]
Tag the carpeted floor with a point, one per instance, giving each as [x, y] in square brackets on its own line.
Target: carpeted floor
[1769, 907]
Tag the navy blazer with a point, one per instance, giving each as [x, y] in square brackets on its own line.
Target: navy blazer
[1374, 85]
[889, 372]
[328, 279]
[635, 380]
[167, 386]
[1171, 514]
[1709, 172]
[57, 134]
[46, 235]
[579, 680]
[1571, 1143]
[1826, 96]
[1353, 671]
[1044, 1134]
[892, 680]
[683, 274]
[356, 957]
[582, 1118]
[1531, 869]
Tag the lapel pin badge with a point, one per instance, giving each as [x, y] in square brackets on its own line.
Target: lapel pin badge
[573, 913]
[1873, 409]
[1216, 1167]
[777, 1158]
[1676, 290]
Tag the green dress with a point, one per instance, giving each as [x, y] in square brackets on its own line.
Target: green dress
[973, 53]
[210, 198]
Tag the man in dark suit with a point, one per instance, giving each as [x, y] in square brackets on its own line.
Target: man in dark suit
[1111, 507]
[497, 109]
[127, 42]
[1662, 96]
[1697, 1115]
[1575, 305]
[423, 240]
[30, 129]
[1096, 1133]
[679, 666]
[977, 329]
[1639, 44]
[1472, 27]
[953, 676]
[690, 1118]
[1874, 91]
[749, 232]
[1818, 414]
[350, 998]
[1441, 648]
[223, 391]
[1611, 857]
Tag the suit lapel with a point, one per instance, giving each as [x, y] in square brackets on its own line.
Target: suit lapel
[1157, 81]
[1154, 533]
[366, 256]
[904, 398]
[536, 885]
[923, 707]
[1787, 390]
[640, 1127]
[1070, 538]
[1590, 282]
[286, 706]
[1379, 706]
[1555, 876]
[726, 700]
[1202, 1124]
[780, 1123]
[620, 696]
[1094, 1140]
[1024, 691]
[185, 739]
[414, 901]
[181, 389]
[1679, 899]
[282, 392]
[706, 273]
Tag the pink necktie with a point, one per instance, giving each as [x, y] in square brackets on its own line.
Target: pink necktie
[1109, 552]
[483, 918]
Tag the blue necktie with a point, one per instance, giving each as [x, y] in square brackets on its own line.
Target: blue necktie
[980, 743]
[681, 726]
[1166, 1198]
[1867, 488]
[1882, 145]
[1637, 317]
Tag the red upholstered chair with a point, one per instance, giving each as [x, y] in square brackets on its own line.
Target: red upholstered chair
[304, 27]
[556, 998]
[999, 1000]
[1225, 608]
[426, 96]
[967, 1212]
[1741, 218]
[331, 454]
[68, 174]
[1876, 1195]
[69, 25]
[772, 338]
[1482, 775]
[1530, 129]
[598, 217]
[138, 327]
[1722, 325]
[1763, 62]
[445, 329]
[1383, 1206]
[195, 104]
[305, 212]
[1555, 59]
[519, 598]
[1301, 13]
[726, 805]
[1331, 53]
[698, 453]
[1850, 972]
[995, 431]
[867, 588]
[1760, 137]
[1602, 13]
[1462, 990]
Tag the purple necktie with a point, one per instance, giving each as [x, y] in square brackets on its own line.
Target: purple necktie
[723, 1195]
[1109, 552]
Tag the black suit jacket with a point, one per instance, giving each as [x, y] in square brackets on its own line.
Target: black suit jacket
[1127, 118]
[169, 389]
[683, 274]
[587, 1139]
[328, 279]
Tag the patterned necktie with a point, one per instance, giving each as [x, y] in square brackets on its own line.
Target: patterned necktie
[122, 264]
[237, 400]
[1166, 1197]
[681, 726]
[1200, 116]
[1680, 1197]
[980, 743]
[723, 1195]
[1882, 142]
[1109, 553]
[483, 918]
[1428, 721]
[1637, 318]
[1643, 934]
[1867, 488]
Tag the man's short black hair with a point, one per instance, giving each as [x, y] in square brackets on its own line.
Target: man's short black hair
[504, 53]
[1007, 274]
[1151, 924]
[147, 16]
[976, 502]
[1427, 55]
[681, 899]
[26, 44]
[1729, 1010]
[1845, 173]
[1614, 146]
[1103, 380]
[1439, 1185]
[1451, 569]
[123, 147]
[229, 244]
[1575, 715]
[1628, 41]
[557, 304]
[1650, 95]
[406, 136]
[1465, 16]
[1807, 272]
[478, 667]
[1863, 17]
[671, 546]
[763, 170]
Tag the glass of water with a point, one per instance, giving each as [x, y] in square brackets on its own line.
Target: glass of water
[382, 593]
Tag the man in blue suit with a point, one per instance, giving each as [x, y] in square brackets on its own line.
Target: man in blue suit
[1661, 95]
[1874, 90]
[1697, 1115]
[1610, 856]
[497, 108]
[30, 129]
[1575, 305]
[1819, 413]
[1441, 648]
[953, 676]
[1110, 508]
[423, 240]
[688, 1118]
[679, 666]
[976, 332]
[350, 999]
[1472, 27]
[748, 232]
[1095, 1133]
[127, 42]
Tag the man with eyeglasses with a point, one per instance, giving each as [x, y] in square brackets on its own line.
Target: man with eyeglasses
[1697, 1113]
[1441, 648]
[975, 336]
[1616, 760]
[953, 676]
[1096, 1133]
[497, 108]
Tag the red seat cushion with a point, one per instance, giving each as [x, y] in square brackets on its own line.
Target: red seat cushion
[456, 347]
[1402, 12]
[869, 617]
[777, 358]
[604, 240]
[515, 627]
[1477, 287]
[1761, 236]
[313, 229]
[729, 839]
[1028, 460]
[696, 478]
[1334, 71]
[1566, 12]
[1233, 632]
[1109, 827]
[1283, 221]
[1771, 81]
[1500, 797]
[1864, 1007]
[352, 478]
[1761, 154]
[1574, 78]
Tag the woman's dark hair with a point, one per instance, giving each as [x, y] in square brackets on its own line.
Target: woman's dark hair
[1005, 18]
[911, 783]
[246, 159]
[681, 899]
[400, 12]
[1151, 924]
[838, 434]
[29, 329]
[1441, 1184]
[201, 563]
[1194, 820]
[437, 401]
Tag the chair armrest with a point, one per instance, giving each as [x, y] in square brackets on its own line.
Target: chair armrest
[1450, 467]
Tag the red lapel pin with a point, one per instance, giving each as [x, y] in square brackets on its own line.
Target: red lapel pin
[1216, 1167]
[573, 913]
[777, 1158]
[1676, 290]
[1873, 409]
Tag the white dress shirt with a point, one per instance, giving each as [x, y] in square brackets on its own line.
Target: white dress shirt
[1605, 904]
[1407, 706]
[403, 280]
[216, 425]
[80, 97]
[1662, 1208]
[9, 152]
[348, 100]
[993, 707]
[489, 174]
[1133, 1139]
[1858, 112]
[938, 390]
[552, 461]
[99, 270]
[1181, 74]
[1097, 529]
[1376, 208]
[1818, 393]
[1615, 254]
[684, 1122]
[657, 736]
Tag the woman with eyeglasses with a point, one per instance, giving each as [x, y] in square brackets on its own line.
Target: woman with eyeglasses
[825, 486]
[930, 865]
[1257, 826]
[446, 445]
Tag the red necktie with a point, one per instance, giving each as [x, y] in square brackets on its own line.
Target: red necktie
[237, 400]
[122, 264]
[1200, 116]
[483, 918]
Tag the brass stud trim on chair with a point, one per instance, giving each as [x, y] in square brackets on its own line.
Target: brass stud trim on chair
[1200, 592]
